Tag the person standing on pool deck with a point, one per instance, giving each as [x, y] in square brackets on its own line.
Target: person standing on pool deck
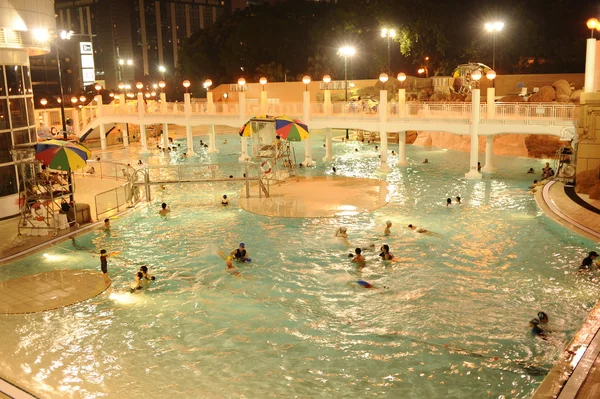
[241, 254]
[104, 265]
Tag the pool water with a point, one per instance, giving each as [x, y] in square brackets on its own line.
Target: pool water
[451, 322]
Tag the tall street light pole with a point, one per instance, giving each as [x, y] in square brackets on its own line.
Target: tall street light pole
[389, 34]
[494, 28]
[346, 52]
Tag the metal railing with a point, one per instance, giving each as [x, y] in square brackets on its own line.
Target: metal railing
[115, 200]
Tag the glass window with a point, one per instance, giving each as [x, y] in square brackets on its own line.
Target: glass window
[8, 180]
[14, 80]
[5, 146]
[32, 135]
[27, 78]
[2, 88]
[4, 122]
[30, 112]
[18, 112]
[21, 136]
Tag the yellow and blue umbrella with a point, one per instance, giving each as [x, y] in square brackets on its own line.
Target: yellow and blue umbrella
[62, 155]
[291, 129]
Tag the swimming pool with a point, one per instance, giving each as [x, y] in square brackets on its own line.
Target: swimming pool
[453, 322]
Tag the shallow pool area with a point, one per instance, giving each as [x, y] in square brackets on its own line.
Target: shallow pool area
[448, 318]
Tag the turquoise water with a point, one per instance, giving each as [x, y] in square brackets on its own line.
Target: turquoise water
[452, 322]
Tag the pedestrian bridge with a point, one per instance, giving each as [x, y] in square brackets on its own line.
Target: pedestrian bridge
[473, 118]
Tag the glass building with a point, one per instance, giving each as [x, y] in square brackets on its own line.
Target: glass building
[24, 25]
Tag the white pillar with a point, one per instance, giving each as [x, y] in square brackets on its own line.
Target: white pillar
[242, 107]
[189, 138]
[210, 105]
[187, 105]
[402, 149]
[143, 139]
[263, 102]
[327, 106]
[489, 152]
[102, 136]
[473, 173]
[491, 102]
[46, 119]
[125, 131]
[308, 161]
[590, 67]
[383, 166]
[163, 103]
[401, 103]
[328, 148]
[75, 122]
[165, 136]
[212, 149]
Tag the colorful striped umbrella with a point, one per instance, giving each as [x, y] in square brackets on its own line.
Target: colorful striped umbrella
[246, 130]
[291, 129]
[62, 155]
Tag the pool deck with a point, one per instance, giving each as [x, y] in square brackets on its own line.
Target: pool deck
[576, 374]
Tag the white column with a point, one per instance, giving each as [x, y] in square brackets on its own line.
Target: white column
[46, 119]
[75, 122]
[402, 149]
[210, 105]
[212, 149]
[163, 103]
[165, 135]
[102, 136]
[187, 105]
[143, 139]
[473, 173]
[328, 108]
[401, 103]
[189, 138]
[489, 153]
[263, 102]
[242, 112]
[383, 166]
[308, 161]
[491, 103]
[590, 65]
[125, 131]
[328, 146]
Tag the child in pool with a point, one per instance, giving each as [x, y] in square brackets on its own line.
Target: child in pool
[359, 259]
[388, 225]
[224, 201]
[385, 252]
[137, 285]
[231, 269]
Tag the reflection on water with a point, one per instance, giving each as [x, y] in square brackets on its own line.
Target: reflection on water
[452, 322]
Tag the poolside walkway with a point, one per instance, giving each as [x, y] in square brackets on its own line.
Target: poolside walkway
[576, 374]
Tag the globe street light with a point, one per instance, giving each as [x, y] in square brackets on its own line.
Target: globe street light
[207, 84]
[476, 76]
[346, 52]
[383, 78]
[592, 24]
[401, 77]
[43, 101]
[241, 82]
[139, 85]
[263, 82]
[389, 34]
[98, 88]
[306, 81]
[74, 100]
[186, 84]
[82, 99]
[162, 70]
[494, 28]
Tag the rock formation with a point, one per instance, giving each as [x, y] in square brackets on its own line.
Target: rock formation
[546, 94]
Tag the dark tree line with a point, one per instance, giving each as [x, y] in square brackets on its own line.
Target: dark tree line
[297, 37]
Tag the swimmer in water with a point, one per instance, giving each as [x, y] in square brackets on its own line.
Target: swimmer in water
[240, 254]
[385, 252]
[365, 284]
[359, 259]
[164, 209]
[137, 285]
[342, 232]
[388, 225]
[458, 200]
[535, 330]
[417, 229]
[224, 201]
[106, 224]
[449, 202]
[145, 275]
[543, 317]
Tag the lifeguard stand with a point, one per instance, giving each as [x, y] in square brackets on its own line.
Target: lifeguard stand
[41, 194]
[276, 157]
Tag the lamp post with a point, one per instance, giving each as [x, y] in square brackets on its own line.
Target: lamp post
[346, 52]
[186, 84]
[98, 88]
[162, 70]
[389, 34]
[263, 82]
[306, 81]
[139, 86]
[43, 101]
[494, 28]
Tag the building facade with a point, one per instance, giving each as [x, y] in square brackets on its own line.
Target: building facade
[20, 23]
[131, 39]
